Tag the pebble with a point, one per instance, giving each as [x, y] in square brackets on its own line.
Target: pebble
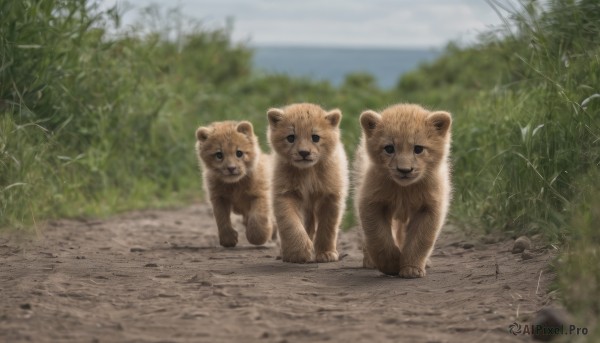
[550, 317]
[489, 240]
[526, 256]
[521, 244]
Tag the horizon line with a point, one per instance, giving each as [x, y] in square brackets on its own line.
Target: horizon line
[341, 46]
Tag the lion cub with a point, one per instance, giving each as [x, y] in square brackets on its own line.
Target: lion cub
[310, 181]
[236, 178]
[402, 186]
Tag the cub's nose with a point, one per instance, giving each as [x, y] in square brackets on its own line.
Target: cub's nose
[404, 170]
[231, 169]
[304, 153]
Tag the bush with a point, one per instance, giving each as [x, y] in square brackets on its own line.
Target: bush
[94, 123]
[521, 135]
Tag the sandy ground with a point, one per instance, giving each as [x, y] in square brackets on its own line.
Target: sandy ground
[160, 276]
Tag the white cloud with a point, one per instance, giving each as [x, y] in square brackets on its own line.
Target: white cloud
[397, 23]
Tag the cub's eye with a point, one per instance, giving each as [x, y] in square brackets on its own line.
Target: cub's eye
[389, 149]
[316, 138]
[418, 149]
[239, 153]
[219, 155]
[291, 138]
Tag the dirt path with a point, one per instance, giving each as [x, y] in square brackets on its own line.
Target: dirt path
[160, 276]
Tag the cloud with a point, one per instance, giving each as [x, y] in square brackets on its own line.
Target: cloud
[386, 23]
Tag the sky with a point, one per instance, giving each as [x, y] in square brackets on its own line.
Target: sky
[347, 23]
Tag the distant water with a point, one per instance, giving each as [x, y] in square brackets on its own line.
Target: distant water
[333, 64]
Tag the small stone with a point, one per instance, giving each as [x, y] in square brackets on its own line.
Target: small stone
[526, 256]
[549, 320]
[137, 249]
[506, 286]
[468, 245]
[521, 244]
[25, 306]
[151, 265]
[221, 293]
[489, 240]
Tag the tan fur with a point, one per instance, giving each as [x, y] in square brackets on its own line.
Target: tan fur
[236, 183]
[402, 211]
[308, 192]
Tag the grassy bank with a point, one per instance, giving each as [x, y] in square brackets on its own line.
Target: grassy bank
[94, 123]
[527, 136]
[522, 134]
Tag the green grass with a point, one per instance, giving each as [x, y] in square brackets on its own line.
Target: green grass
[521, 135]
[526, 147]
[93, 123]
[578, 267]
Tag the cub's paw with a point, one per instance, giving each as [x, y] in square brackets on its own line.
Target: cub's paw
[387, 262]
[228, 239]
[388, 267]
[299, 254]
[327, 256]
[368, 263]
[367, 260]
[258, 230]
[411, 272]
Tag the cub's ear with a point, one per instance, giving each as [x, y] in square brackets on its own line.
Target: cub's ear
[202, 133]
[334, 117]
[369, 120]
[275, 116]
[440, 121]
[245, 127]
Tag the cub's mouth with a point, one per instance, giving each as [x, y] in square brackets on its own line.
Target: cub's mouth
[231, 178]
[229, 175]
[405, 179]
[304, 162]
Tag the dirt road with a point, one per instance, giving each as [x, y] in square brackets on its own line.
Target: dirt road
[160, 276]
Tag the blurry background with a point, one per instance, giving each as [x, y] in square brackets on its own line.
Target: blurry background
[326, 41]
[99, 102]
[337, 23]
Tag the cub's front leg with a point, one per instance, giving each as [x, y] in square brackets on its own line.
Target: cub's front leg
[259, 227]
[422, 232]
[379, 242]
[296, 246]
[228, 237]
[329, 216]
